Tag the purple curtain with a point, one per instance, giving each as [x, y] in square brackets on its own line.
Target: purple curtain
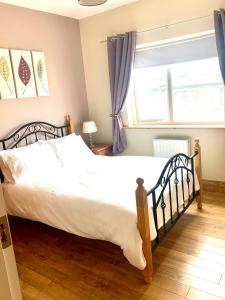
[121, 49]
[219, 22]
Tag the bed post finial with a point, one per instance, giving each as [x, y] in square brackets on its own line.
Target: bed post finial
[140, 182]
[197, 146]
[144, 229]
[70, 124]
[198, 168]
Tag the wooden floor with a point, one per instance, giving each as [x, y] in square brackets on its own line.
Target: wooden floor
[189, 264]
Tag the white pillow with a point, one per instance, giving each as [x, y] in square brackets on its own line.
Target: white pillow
[5, 155]
[74, 153]
[71, 150]
[56, 140]
[32, 162]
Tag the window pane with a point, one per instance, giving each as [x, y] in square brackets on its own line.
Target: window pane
[197, 91]
[151, 94]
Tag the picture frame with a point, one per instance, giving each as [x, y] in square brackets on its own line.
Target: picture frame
[23, 73]
[40, 73]
[7, 85]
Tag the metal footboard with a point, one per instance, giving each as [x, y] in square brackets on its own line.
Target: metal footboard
[177, 180]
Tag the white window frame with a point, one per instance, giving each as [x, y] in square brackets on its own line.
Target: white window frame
[130, 115]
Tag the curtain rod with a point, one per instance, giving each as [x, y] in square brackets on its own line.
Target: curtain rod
[169, 25]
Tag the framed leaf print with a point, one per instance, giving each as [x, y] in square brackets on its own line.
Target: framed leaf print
[7, 87]
[23, 73]
[40, 73]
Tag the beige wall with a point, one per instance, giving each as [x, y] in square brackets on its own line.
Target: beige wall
[59, 38]
[140, 16]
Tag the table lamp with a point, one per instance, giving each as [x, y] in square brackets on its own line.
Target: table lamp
[89, 127]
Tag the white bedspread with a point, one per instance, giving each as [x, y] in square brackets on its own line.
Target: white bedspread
[96, 201]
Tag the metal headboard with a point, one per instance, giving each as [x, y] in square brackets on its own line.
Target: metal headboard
[33, 132]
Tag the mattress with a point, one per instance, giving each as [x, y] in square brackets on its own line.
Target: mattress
[96, 200]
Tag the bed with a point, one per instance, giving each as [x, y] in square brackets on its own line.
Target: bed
[93, 196]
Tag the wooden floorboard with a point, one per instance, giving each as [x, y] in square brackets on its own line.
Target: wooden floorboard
[188, 264]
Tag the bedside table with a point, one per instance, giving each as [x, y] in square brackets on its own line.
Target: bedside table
[102, 149]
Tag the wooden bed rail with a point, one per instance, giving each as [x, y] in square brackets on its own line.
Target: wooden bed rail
[144, 228]
[70, 124]
[198, 168]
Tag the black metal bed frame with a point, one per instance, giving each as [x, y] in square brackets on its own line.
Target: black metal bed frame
[34, 131]
[38, 130]
[179, 163]
[31, 133]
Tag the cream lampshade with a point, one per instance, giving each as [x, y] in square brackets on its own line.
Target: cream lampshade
[89, 127]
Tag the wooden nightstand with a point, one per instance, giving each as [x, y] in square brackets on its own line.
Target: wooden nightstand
[102, 149]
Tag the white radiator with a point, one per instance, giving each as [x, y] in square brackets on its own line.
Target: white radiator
[169, 147]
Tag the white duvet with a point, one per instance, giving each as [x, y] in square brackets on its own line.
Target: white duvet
[95, 201]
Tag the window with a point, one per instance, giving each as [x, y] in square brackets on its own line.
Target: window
[188, 90]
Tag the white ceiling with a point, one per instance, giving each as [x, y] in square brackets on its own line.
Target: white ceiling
[68, 8]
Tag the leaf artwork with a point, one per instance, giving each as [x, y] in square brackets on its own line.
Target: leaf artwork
[4, 68]
[4, 71]
[24, 72]
[40, 70]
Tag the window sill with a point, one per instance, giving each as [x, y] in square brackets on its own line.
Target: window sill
[194, 126]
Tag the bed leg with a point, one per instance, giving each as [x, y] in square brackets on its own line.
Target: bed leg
[144, 229]
[70, 124]
[198, 167]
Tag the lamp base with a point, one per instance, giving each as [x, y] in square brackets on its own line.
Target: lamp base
[90, 142]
